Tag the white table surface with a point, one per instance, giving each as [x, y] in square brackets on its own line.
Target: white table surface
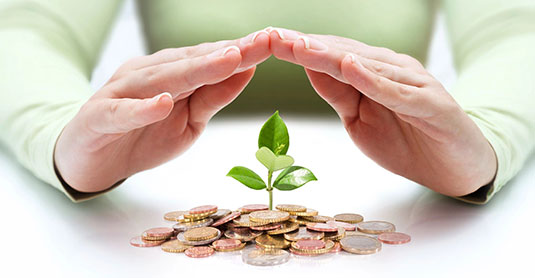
[44, 233]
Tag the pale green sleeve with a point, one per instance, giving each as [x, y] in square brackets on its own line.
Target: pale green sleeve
[48, 49]
[494, 49]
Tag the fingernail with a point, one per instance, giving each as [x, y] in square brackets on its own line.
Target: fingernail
[230, 48]
[258, 33]
[312, 44]
[279, 32]
[219, 53]
[157, 98]
[352, 57]
[268, 29]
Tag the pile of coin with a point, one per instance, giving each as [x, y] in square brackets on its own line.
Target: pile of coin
[198, 233]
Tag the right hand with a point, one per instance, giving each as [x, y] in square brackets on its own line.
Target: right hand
[153, 109]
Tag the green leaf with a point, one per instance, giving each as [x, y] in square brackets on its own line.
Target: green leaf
[273, 162]
[293, 177]
[247, 177]
[274, 135]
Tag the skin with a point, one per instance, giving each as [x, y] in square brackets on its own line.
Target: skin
[393, 109]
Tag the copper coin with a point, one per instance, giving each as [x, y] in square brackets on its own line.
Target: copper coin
[286, 227]
[346, 226]
[351, 218]
[177, 216]
[394, 238]
[220, 213]
[203, 209]
[243, 235]
[226, 244]
[139, 242]
[226, 219]
[360, 245]
[375, 227]
[201, 233]
[253, 207]
[199, 252]
[303, 233]
[321, 227]
[272, 226]
[337, 248]
[309, 244]
[174, 246]
[159, 233]
[182, 227]
[329, 244]
[291, 208]
[318, 218]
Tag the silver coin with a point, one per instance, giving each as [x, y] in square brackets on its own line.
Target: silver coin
[243, 235]
[220, 213]
[182, 227]
[265, 257]
[303, 233]
[181, 237]
[360, 245]
[375, 227]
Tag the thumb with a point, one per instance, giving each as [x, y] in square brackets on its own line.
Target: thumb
[122, 115]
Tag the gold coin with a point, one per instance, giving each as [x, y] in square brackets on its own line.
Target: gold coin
[199, 216]
[329, 244]
[375, 227]
[245, 221]
[174, 246]
[318, 218]
[298, 220]
[177, 216]
[303, 233]
[285, 228]
[291, 208]
[351, 218]
[360, 245]
[272, 242]
[202, 233]
[335, 236]
[268, 216]
[307, 212]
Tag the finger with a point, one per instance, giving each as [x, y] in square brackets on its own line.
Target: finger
[208, 100]
[180, 77]
[395, 73]
[118, 116]
[342, 97]
[254, 48]
[281, 43]
[395, 96]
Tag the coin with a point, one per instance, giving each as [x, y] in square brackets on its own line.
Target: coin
[394, 238]
[203, 209]
[226, 219]
[139, 242]
[175, 246]
[272, 226]
[254, 207]
[182, 227]
[360, 245]
[328, 246]
[351, 218]
[308, 212]
[199, 216]
[159, 233]
[321, 227]
[308, 244]
[318, 218]
[243, 235]
[335, 236]
[357, 233]
[199, 252]
[336, 248]
[346, 226]
[202, 233]
[291, 208]
[375, 227]
[298, 220]
[244, 221]
[268, 216]
[181, 237]
[285, 228]
[228, 245]
[265, 257]
[177, 216]
[303, 233]
[267, 241]
[220, 213]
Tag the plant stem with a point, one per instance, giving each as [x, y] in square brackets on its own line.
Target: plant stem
[270, 189]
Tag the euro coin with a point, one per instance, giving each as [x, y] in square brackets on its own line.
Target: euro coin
[202, 233]
[307, 212]
[322, 227]
[265, 257]
[267, 241]
[245, 221]
[335, 236]
[139, 242]
[375, 227]
[308, 244]
[228, 245]
[268, 216]
[160, 233]
[291, 208]
[253, 207]
[243, 235]
[183, 239]
[360, 245]
[394, 238]
[329, 245]
[318, 218]
[303, 233]
[286, 227]
[226, 219]
[199, 252]
[182, 227]
[346, 226]
[177, 216]
[272, 226]
[174, 246]
[351, 218]
[220, 213]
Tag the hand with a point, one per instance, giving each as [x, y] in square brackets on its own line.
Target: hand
[394, 110]
[153, 109]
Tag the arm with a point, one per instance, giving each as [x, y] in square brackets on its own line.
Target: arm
[47, 52]
[493, 48]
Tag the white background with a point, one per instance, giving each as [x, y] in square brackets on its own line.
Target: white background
[44, 234]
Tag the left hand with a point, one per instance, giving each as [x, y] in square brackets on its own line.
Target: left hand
[394, 110]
